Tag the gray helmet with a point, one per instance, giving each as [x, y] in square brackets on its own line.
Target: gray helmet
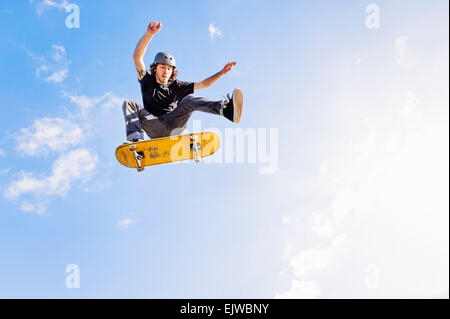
[165, 58]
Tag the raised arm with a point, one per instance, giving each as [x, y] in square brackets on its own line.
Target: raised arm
[138, 55]
[209, 81]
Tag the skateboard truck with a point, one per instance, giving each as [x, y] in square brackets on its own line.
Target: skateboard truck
[138, 157]
[195, 147]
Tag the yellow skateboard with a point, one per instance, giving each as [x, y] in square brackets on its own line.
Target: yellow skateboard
[167, 149]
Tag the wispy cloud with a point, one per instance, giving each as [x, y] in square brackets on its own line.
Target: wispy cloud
[321, 225]
[59, 136]
[125, 223]
[214, 31]
[76, 165]
[383, 185]
[54, 67]
[111, 100]
[388, 185]
[300, 289]
[58, 76]
[315, 260]
[59, 53]
[38, 206]
[85, 103]
[312, 261]
[44, 5]
[48, 134]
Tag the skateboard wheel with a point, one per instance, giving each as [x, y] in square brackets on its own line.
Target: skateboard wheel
[140, 169]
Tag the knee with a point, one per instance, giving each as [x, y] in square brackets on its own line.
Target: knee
[177, 131]
[186, 102]
[128, 104]
[186, 99]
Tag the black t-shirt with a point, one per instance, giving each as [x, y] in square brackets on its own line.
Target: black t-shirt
[159, 98]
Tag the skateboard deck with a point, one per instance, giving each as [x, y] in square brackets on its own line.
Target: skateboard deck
[167, 149]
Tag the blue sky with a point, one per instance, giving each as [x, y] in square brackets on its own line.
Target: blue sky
[355, 203]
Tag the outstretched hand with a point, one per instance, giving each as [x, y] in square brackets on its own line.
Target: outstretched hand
[228, 67]
[154, 27]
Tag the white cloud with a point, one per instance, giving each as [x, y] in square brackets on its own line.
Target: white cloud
[56, 135]
[110, 101]
[214, 31]
[35, 190]
[403, 55]
[48, 134]
[44, 5]
[390, 194]
[321, 225]
[54, 67]
[290, 220]
[85, 103]
[57, 77]
[26, 184]
[311, 260]
[76, 165]
[2, 152]
[303, 289]
[349, 200]
[289, 251]
[125, 223]
[41, 69]
[60, 52]
[315, 260]
[287, 219]
[39, 207]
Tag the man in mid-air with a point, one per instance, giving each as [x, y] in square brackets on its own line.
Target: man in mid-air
[168, 102]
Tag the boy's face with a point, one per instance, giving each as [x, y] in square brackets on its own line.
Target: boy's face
[163, 73]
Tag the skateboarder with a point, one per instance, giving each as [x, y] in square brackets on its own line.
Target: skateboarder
[168, 102]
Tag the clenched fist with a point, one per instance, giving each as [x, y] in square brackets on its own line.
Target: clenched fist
[154, 27]
[228, 67]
